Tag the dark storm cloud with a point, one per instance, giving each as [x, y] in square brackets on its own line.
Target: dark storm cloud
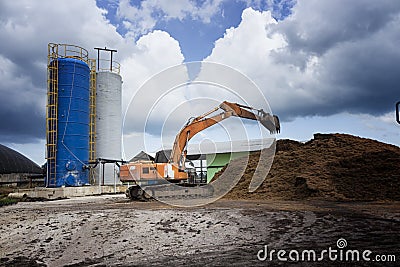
[317, 26]
[23, 125]
[23, 77]
[356, 45]
[26, 27]
[22, 110]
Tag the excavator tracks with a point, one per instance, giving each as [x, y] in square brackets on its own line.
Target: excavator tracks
[166, 191]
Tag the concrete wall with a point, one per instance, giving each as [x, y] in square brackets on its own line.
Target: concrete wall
[66, 192]
[16, 178]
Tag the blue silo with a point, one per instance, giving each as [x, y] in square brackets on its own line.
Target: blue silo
[72, 123]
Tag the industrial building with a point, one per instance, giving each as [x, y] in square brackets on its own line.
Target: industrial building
[17, 169]
[218, 154]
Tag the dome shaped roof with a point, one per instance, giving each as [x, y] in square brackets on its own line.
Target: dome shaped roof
[12, 161]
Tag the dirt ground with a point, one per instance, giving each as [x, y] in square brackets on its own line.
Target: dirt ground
[113, 231]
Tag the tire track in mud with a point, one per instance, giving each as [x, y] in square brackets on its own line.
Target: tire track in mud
[293, 230]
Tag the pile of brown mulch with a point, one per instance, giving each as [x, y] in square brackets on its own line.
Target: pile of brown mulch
[330, 166]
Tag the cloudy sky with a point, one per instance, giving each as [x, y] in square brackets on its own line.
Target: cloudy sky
[324, 66]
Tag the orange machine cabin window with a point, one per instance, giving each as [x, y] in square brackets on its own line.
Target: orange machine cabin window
[145, 170]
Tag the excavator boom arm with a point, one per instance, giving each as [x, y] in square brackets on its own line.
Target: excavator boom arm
[198, 124]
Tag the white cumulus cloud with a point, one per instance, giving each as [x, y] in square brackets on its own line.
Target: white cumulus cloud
[141, 19]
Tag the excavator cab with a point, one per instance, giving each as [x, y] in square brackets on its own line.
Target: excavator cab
[397, 112]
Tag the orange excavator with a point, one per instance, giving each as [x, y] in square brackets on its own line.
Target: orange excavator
[146, 176]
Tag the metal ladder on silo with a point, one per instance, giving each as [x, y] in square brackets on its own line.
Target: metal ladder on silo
[92, 122]
[51, 114]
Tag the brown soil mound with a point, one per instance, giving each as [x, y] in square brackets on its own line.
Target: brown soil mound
[330, 166]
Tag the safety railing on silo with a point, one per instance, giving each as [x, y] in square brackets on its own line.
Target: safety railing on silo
[108, 66]
[72, 51]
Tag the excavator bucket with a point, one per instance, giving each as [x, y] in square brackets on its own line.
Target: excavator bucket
[269, 122]
[269, 125]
